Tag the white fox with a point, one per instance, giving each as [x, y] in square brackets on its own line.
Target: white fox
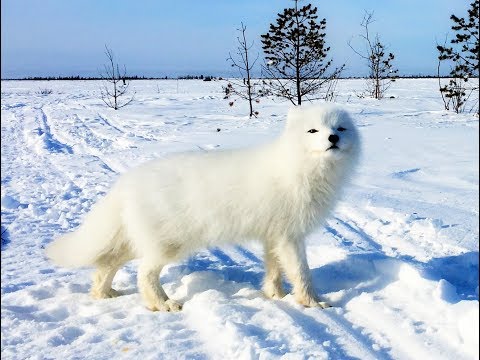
[166, 209]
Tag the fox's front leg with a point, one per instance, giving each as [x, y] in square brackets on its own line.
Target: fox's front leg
[293, 259]
[272, 283]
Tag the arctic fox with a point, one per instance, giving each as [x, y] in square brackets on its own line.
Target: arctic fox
[166, 209]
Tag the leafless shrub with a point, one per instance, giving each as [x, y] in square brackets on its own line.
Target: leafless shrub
[247, 88]
[381, 70]
[115, 83]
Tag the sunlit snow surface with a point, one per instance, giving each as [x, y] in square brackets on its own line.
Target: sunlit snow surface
[398, 258]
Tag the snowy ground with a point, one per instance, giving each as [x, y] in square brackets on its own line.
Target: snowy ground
[398, 258]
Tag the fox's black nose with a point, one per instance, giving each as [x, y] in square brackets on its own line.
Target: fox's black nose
[333, 139]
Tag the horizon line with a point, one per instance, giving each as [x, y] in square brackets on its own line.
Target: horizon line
[188, 77]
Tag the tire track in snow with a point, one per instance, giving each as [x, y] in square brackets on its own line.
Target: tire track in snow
[35, 189]
[403, 235]
[89, 153]
[51, 142]
[88, 141]
[350, 234]
[344, 341]
[69, 163]
[55, 152]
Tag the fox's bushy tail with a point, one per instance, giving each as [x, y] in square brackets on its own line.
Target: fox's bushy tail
[96, 236]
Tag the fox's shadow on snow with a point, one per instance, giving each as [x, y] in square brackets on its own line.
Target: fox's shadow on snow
[365, 272]
[357, 273]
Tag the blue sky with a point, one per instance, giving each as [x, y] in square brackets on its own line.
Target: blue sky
[158, 38]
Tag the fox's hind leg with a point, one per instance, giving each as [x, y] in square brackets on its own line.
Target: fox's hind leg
[102, 282]
[107, 266]
[155, 251]
[152, 292]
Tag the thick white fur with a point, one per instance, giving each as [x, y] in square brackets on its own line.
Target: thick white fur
[167, 209]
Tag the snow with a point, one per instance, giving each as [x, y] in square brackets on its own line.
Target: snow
[398, 258]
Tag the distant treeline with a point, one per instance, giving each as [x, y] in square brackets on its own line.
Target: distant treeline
[185, 77]
[78, 77]
[135, 77]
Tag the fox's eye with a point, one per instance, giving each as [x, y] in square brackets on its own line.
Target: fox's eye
[312, 131]
[341, 129]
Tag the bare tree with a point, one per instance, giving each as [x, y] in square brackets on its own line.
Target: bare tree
[295, 56]
[381, 70]
[115, 84]
[246, 89]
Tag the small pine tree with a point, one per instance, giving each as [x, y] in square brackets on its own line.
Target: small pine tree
[295, 55]
[463, 57]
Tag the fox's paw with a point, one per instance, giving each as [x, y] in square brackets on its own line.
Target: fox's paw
[111, 293]
[166, 306]
[312, 302]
